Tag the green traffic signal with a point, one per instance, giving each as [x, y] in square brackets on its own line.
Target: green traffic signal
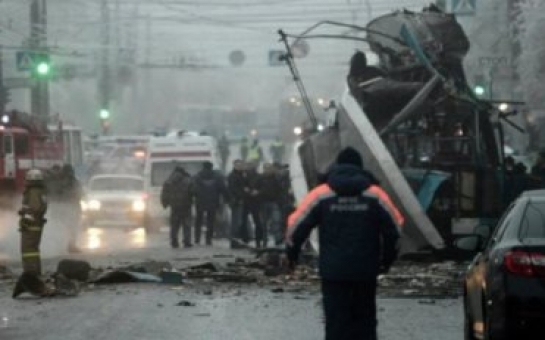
[104, 114]
[43, 68]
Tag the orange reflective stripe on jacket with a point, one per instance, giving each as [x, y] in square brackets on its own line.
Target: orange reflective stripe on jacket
[310, 200]
[377, 191]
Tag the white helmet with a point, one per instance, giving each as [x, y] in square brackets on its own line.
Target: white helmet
[34, 175]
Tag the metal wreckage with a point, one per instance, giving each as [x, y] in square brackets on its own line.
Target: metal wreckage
[429, 140]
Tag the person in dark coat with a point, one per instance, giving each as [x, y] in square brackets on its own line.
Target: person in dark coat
[210, 188]
[270, 188]
[178, 193]
[287, 199]
[359, 228]
[224, 147]
[236, 183]
[360, 71]
[538, 171]
[252, 205]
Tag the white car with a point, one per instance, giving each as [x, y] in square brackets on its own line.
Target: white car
[115, 200]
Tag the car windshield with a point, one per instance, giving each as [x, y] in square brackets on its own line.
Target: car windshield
[117, 184]
[162, 170]
[533, 222]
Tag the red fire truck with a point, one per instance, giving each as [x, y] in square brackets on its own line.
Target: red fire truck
[26, 142]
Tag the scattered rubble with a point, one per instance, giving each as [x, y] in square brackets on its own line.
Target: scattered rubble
[223, 274]
[185, 303]
[121, 276]
[74, 270]
[149, 267]
[171, 277]
[411, 279]
[5, 273]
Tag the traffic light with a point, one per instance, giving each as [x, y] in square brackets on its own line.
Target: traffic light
[104, 114]
[479, 86]
[105, 120]
[41, 67]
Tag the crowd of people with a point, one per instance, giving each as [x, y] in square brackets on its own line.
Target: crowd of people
[252, 151]
[264, 199]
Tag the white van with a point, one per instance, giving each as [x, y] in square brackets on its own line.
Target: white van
[164, 154]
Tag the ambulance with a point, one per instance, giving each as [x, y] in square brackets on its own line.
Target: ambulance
[187, 149]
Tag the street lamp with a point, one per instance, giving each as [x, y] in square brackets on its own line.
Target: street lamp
[503, 107]
[104, 114]
[479, 90]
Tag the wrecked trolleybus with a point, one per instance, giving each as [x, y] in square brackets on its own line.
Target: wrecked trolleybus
[431, 142]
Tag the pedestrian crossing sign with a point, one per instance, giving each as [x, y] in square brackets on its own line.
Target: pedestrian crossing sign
[464, 7]
[25, 60]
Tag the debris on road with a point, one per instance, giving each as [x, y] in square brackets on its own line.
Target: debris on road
[185, 303]
[225, 274]
[74, 270]
[65, 286]
[411, 279]
[206, 267]
[6, 273]
[149, 267]
[171, 277]
[120, 276]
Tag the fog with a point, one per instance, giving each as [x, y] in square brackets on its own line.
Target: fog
[203, 34]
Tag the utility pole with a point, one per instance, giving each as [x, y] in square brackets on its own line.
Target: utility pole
[147, 74]
[104, 84]
[39, 94]
[3, 91]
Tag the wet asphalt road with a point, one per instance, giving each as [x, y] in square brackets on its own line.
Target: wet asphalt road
[149, 311]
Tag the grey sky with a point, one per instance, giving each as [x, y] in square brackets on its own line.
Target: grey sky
[205, 29]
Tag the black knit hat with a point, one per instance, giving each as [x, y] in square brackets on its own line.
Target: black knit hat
[350, 156]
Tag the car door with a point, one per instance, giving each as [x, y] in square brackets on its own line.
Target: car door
[476, 280]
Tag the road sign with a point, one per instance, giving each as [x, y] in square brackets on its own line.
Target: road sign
[18, 83]
[276, 58]
[237, 58]
[464, 7]
[25, 60]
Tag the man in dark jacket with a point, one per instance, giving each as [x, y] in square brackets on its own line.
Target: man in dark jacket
[236, 183]
[270, 187]
[178, 194]
[358, 235]
[209, 189]
[225, 150]
[252, 204]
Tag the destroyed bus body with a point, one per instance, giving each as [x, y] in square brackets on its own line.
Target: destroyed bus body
[26, 142]
[432, 144]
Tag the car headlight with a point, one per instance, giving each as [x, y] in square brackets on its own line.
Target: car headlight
[138, 206]
[94, 205]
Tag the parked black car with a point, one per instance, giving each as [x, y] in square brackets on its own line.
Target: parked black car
[504, 287]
